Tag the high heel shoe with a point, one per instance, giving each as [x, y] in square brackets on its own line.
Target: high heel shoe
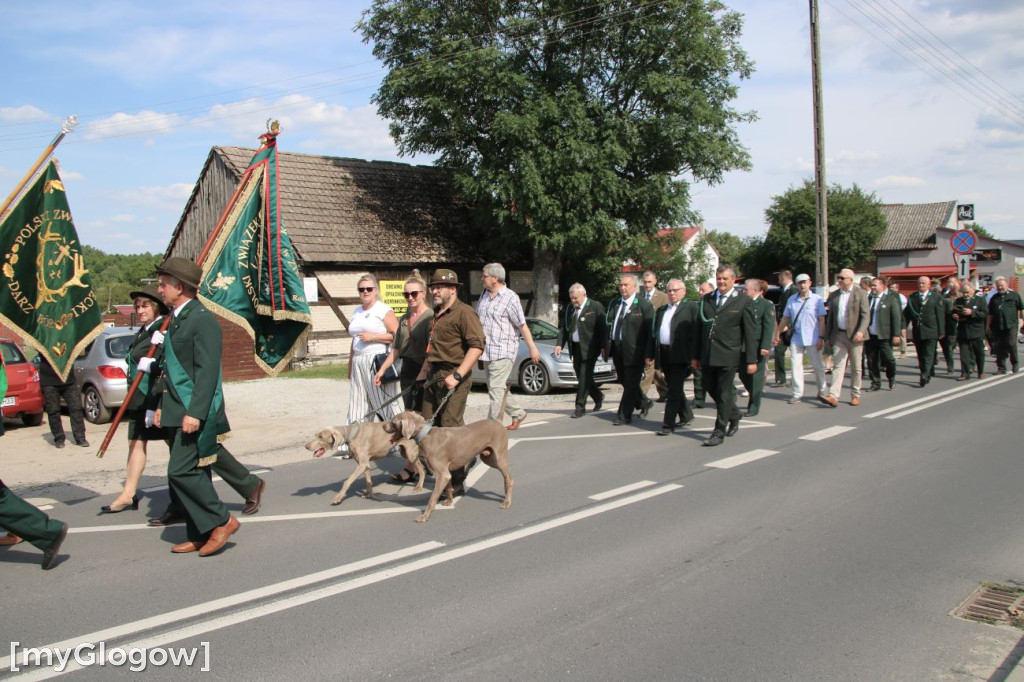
[114, 509]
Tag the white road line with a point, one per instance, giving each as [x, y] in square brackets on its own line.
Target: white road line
[959, 390]
[257, 594]
[258, 519]
[620, 491]
[528, 425]
[285, 603]
[753, 455]
[158, 488]
[828, 433]
[959, 394]
[629, 432]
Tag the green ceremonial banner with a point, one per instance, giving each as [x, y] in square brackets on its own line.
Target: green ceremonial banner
[250, 275]
[47, 294]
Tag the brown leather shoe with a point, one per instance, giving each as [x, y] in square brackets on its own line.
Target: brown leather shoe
[219, 537]
[828, 400]
[9, 539]
[855, 401]
[186, 547]
[252, 503]
[515, 423]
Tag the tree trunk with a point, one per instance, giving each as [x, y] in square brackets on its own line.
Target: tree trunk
[547, 267]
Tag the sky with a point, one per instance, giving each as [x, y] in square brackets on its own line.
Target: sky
[923, 100]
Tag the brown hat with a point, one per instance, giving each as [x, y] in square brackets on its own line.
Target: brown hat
[443, 276]
[150, 293]
[182, 269]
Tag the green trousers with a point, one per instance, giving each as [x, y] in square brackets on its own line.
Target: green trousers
[192, 488]
[234, 474]
[24, 520]
[754, 383]
[926, 357]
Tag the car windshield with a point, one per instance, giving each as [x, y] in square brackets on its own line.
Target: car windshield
[541, 330]
[11, 353]
[117, 346]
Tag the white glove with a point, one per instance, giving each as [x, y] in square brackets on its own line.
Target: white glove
[157, 338]
[150, 417]
[145, 364]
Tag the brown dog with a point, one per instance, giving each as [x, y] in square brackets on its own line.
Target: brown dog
[447, 448]
[367, 441]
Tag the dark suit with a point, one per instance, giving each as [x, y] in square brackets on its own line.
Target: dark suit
[25, 520]
[780, 350]
[628, 344]
[591, 327]
[1004, 319]
[674, 359]
[928, 316]
[764, 324]
[970, 334]
[658, 298]
[948, 342]
[727, 341]
[886, 316]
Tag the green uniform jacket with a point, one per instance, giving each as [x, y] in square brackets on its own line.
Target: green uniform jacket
[726, 337]
[1002, 309]
[636, 329]
[947, 305]
[592, 327]
[972, 327]
[780, 307]
[146, 397]
[197, 339]
[682, 329]
[764, 320]
[888, 316]
[928, 318]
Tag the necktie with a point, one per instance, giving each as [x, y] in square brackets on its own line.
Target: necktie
[721, 301]
[618, 320]
[576, 320]
[874, 302]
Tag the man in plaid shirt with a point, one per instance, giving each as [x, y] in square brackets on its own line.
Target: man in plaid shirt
[501, 315]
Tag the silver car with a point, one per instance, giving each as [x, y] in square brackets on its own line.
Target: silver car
[551, 371]
[101, 373]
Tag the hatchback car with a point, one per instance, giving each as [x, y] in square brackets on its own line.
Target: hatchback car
[101, 373]
[24, 397]
[552, 371]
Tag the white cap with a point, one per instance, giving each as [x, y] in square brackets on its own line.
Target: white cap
[803, 277]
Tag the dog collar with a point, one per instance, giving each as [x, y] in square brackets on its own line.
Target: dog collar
[422, 433]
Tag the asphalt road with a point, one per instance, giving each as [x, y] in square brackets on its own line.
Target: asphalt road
[816, 544]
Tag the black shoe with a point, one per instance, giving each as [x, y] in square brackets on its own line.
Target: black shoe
[170, 518]
[458, 491]
[686, 423]
[111, 509]
[82, 443]
[598, 403]
[892, 383]
[874, 387]
[577, 414]
[666, 430]
[619, 421]
[779, 384]
[698, 404]
[1016, 369]
[59, 443]
[923, 381]
[661, 400]
[734, 426]
[646, 407]
[1001, 370]
[50, 553]
[714, 440]
[750, 413]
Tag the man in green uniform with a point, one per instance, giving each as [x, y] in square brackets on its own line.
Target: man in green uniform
[1004, 318]
[456, 342]
[699, 395]
[629, 331]
[192, 408]
[950, 293]
[764, 326]
[926, 312]
[584, 332]
[23, 521]
[885, 328]
[726, 343]
[971, 311]
[788, 289]
[675, 323]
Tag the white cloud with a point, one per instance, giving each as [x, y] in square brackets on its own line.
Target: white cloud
[122, 218]
[24, 114]
[154, 197]
[900, 181]
[122, 125]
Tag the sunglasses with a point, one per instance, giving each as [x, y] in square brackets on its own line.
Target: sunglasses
[411, 294]
[365, 290]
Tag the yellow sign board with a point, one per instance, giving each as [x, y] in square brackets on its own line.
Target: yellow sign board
[391, 293]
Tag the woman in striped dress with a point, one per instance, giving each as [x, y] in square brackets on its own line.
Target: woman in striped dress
[372, 327]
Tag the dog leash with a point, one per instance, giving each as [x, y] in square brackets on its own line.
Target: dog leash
[387, 402]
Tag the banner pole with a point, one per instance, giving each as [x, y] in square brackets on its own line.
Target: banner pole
[66, 127]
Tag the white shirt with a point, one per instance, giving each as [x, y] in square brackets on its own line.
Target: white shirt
[665, 333]
[844, 303]
[622, 311]
[578, 312]
[873, 301]
[372, 321]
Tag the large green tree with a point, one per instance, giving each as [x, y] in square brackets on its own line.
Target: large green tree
[575, 125]
[855, 224]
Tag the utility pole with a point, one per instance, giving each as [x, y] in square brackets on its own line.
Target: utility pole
[821, 189]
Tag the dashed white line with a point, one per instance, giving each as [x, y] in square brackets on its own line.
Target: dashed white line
[158, 488]
[621, 491]
[730, 462]
[828, 433]
[958, 393]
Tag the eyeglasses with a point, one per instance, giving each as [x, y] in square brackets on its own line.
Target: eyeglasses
[841, 277]
[674, 290]
[411, 294]
[365, 290]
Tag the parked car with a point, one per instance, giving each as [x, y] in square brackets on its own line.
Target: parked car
[24, 397]
[551, 372]
[101, 373]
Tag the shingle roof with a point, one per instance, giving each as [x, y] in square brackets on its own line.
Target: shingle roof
[912, 226]
[339, 210]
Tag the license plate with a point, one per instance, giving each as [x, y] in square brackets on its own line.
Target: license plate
[602, 368]
[9, 402]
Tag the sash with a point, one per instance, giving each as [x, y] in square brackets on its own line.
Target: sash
[208, 440]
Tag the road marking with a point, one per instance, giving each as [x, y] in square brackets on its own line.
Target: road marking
[958, 391]
[285, 603]
[256, 519]
[532, 424]
[828, 433]
[158, 488]
[43, 503]
[958, 394]
[632, 432]
[753, 455]
[257, 594]
[619, 491]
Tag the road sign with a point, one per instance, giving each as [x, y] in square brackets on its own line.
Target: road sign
[963, 241]
[965, 212]
[963, 265]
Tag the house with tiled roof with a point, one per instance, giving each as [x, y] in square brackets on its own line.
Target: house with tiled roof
[346, 217]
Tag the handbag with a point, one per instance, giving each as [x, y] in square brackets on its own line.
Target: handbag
[787, 336]
[391, 373]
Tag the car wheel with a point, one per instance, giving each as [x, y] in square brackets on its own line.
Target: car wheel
[32, 419]
[533, 379]
[92, 404]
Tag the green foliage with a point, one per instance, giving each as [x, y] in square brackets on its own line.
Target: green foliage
[979, 230]
[114, 276]
[577, 126]
[664, 255]
[855, 224]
